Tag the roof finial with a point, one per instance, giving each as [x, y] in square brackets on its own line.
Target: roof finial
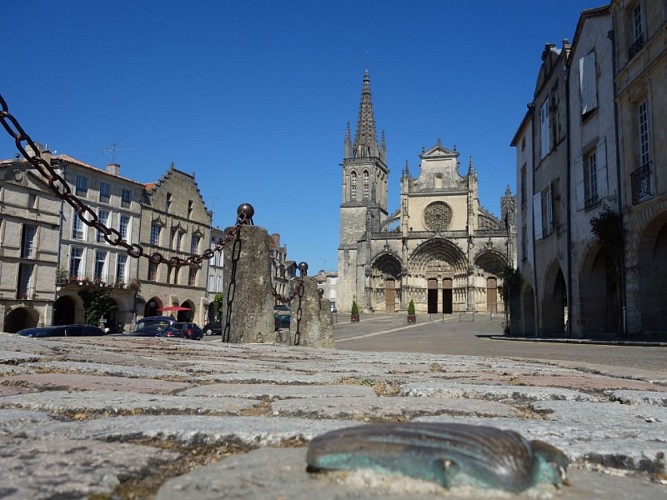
[365, 142]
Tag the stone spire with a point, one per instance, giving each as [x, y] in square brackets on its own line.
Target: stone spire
[348, 142]
[365, 142]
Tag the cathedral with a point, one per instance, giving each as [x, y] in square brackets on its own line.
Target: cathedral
[440, 248]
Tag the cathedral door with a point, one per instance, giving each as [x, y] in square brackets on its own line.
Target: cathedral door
[390, 295]
[491, 295]
[432, 295]
[447, 296]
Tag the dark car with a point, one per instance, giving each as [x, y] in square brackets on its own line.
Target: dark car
[62, 331]
[281, 320]
[281, 309]
[214, 328]
[158, 322]
[157, 330]
[190, 331]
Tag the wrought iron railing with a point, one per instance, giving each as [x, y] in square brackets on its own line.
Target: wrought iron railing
[641, 183]
[636, 47]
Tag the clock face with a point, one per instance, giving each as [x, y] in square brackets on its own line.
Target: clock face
[437, 216]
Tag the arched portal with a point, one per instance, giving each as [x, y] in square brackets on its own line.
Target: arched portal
[528, 310]
[598, 293]
[113, 319]
[554, 301]
[385, 282]
[188, 313]
[64, 311]
[652, 267]
[152, 307]
[20, 318]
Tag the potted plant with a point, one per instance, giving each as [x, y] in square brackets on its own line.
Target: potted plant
[354, 318]
[412, 317]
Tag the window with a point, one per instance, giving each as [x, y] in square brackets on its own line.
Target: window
[175, 274]
[545, 131]
[32, 200]
[590, 178]
[523, 185]
[103, 218]
[77, 226]
[168, 207]
[192, 276]
[100, 265]
[353, 186]
[644, 135]
[588, 83]
[28, 242]
[124, 226]
[155, 235]
[548, 223]
[637, 38]
[367, 189]
[126, 198]
[75, 258]
[121, 265]
[105, 192]
[524, 242]
[173, 242]
[25, 290]
[194, 244]
[152, 271]
[190, 208]
[81, 185]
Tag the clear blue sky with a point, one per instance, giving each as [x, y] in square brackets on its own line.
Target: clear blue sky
[254, 96]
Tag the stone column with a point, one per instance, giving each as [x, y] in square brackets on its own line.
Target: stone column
[247, 282]
[315, 326]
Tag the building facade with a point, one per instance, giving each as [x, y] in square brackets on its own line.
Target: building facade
[175, 223]
[440, 248]
[610, 159]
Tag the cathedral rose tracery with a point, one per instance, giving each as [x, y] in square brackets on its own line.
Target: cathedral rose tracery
[437, 216]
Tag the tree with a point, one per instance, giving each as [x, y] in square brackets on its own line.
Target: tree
[510, 292]
[97, 303]
[608, 230]
[411, 308]
[355, 308]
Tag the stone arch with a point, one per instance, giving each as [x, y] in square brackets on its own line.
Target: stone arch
[114, 320]
[554, 300]
[386, 281]
[437, 255]
[528, 325]
[598, 293]
[64, 310]
[186, 316]
[491, 262]
[652, 274]
[153, 306]
[353, 185]
[19, 318]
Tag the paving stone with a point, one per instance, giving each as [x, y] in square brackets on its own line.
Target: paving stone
[106, 369]
[270, 474]
[15, 358]
[84, 382]
[270, 391]
[16, 421]
[115, 402]
[61, 468]
[374, 407]
[639, 397]
[491, 392]
[270, 377]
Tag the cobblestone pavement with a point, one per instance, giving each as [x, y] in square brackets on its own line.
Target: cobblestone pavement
[122, 417]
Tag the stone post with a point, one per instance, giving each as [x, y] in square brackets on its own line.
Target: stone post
[316, 325]
[248, 271]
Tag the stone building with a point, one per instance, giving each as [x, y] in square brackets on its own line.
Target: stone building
[606, 162]
[215, 277]
[640, 34]
[87, 259]
[29, 247]
[440, 248]
[175, 223]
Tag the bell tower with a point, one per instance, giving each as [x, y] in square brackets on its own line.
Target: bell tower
[364, 199]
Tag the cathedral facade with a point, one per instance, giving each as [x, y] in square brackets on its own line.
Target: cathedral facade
[440, 248]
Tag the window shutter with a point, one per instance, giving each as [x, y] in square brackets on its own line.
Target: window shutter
[587, 83]
[601, 159]
[537, 215]
[579, 194]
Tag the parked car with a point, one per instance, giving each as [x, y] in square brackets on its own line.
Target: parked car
[189, 330]
[62, 331]
[281, 309]
[157, 330]
[281, 320]
[157, 321]
[214, 328]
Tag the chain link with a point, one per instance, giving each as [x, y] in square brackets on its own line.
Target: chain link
[112, 236]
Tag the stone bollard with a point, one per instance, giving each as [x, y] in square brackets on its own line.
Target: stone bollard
[247, 264]
[315, 326]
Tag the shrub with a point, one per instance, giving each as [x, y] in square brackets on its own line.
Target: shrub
[355, 308]
[411, 308]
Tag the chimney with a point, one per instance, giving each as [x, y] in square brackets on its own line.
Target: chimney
[113, 168]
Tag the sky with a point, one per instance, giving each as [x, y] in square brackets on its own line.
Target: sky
[253, 96]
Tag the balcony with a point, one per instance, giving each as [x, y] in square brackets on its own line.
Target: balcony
[641, 183]
[636, 47]
[63, 278]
